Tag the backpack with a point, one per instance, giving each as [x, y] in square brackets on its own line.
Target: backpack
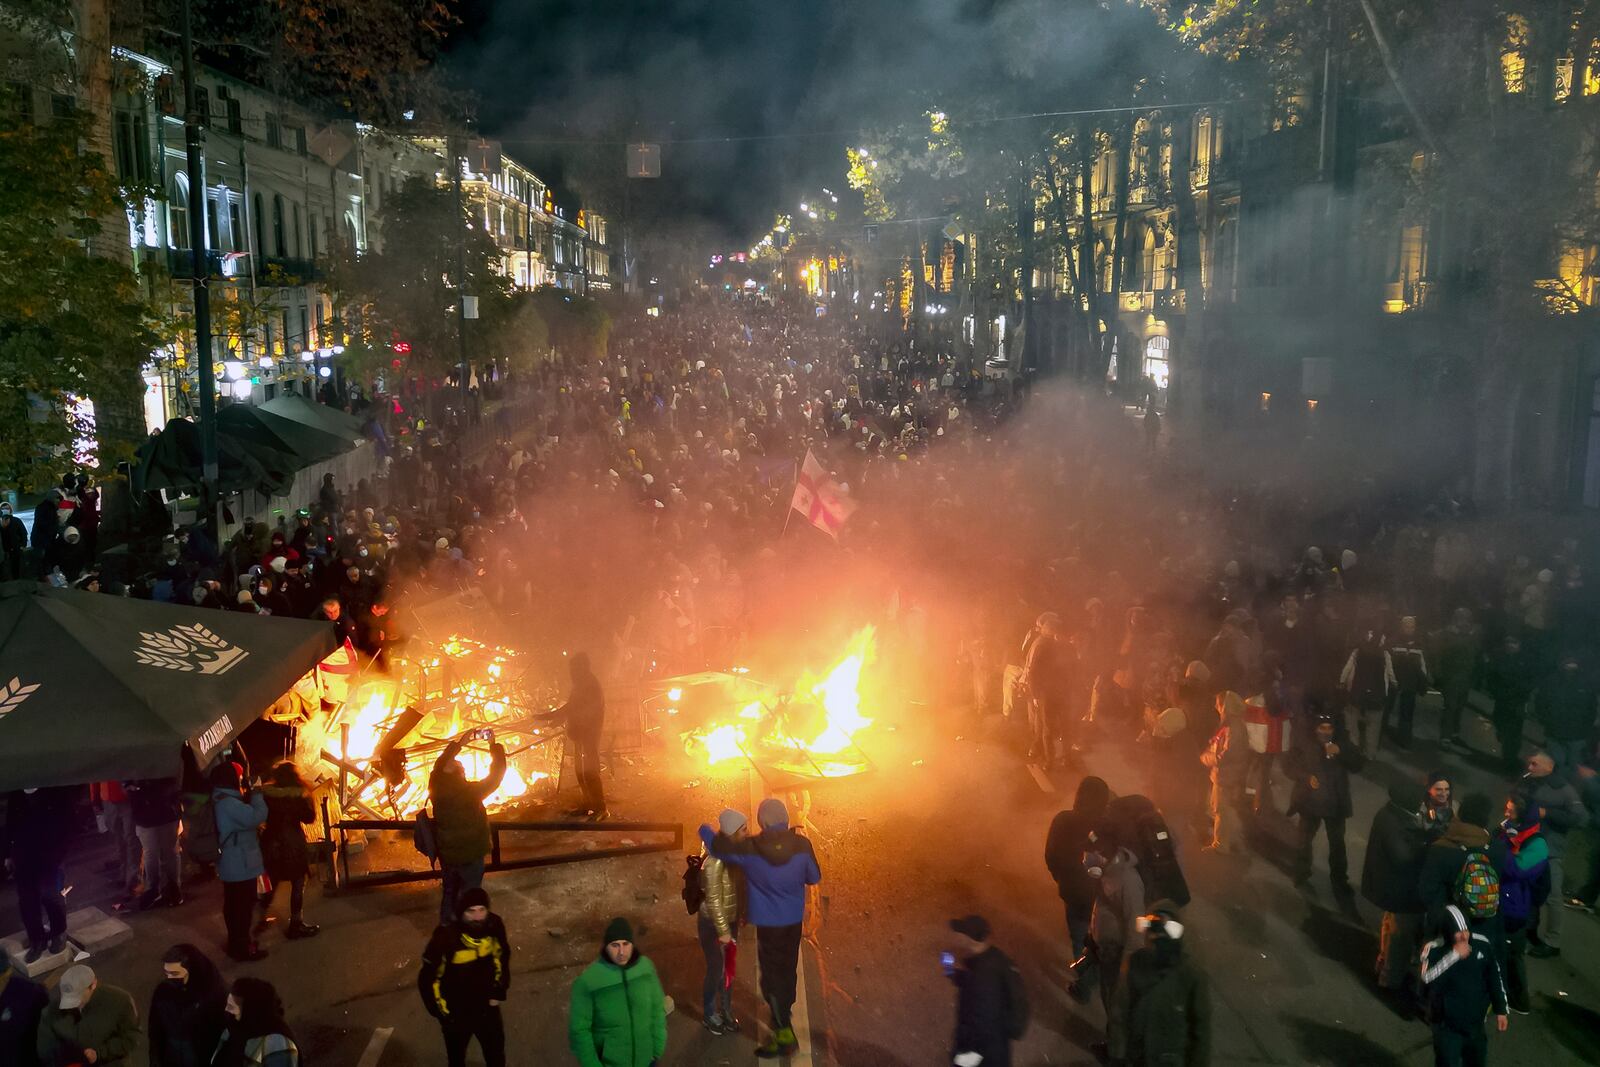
[425, 836]
[1477, 888]
[694, 893]
[1141, 828]
[201, 842]
[1016, 1004]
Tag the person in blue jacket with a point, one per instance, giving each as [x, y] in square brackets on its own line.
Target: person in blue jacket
[779, 864]
[240, 813]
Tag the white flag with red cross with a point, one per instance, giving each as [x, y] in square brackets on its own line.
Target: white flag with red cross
[820, 499]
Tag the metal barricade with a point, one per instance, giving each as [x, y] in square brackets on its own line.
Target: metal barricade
[337, 833]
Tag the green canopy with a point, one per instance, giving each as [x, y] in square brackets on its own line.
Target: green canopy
[96, 687]
[260, 427]
[171, 460]
[321, 416]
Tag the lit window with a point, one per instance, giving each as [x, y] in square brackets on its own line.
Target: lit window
[1514, 55]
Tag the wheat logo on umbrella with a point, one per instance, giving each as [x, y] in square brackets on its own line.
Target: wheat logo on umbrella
[193, 649]
[14, 693]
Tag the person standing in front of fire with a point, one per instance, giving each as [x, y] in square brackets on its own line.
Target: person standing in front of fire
[461, 824]
[585, 716]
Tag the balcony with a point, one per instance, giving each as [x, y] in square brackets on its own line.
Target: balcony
[180, 263]
[288, 270]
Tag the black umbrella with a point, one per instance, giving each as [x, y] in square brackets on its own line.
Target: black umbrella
[96, 687]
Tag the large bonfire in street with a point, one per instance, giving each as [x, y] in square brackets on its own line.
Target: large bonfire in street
[808, 731]
[390, 727]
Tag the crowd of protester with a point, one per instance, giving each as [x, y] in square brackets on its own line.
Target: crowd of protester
[1244, 636]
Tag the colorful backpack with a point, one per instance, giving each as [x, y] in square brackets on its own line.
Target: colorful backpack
[1477, 890]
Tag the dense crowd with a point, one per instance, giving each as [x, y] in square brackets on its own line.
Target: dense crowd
[1240, 635]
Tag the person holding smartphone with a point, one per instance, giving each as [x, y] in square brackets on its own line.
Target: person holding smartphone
[461, 824]
[991, 1007]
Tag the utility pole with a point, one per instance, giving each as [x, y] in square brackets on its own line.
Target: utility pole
[461, 279]
[201, 273]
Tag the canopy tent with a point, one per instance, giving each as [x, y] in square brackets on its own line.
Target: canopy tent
[97, 687]
[260, 427]
[171, 459]
[320, 416]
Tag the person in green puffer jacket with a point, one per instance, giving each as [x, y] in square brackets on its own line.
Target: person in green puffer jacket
[619, 1014]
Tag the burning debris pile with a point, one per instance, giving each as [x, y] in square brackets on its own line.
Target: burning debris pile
[384, 737]
[807, 732]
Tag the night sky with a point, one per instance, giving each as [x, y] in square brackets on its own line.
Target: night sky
[547, 70]
[653, 70]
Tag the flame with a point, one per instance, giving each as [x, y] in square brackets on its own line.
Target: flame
[822, 718]
[460, 684]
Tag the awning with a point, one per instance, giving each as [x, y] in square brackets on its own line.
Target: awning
[320, 416]
[171, 460]
[260, 427]
[97, 687]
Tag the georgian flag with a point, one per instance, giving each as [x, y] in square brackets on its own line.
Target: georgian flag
[820, 499]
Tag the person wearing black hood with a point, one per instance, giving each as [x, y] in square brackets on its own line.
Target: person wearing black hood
[464, 978]
[256, 1034]
[186, 1010]
[618, 1012]
[1389, 875]
[991, 1006]
[1069, 839]
[1162, 1011]
[585, 716]
[36, 827]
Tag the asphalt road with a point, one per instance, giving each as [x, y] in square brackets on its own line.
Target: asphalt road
[950, 821]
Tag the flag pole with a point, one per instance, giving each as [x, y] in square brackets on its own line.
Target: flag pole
[789, 511]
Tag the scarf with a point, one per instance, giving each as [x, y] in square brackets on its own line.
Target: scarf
[1517, 838]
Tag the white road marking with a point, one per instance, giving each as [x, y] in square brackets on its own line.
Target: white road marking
[375, 1047]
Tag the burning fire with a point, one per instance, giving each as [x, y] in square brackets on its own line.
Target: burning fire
[398, 724]
[820, 718]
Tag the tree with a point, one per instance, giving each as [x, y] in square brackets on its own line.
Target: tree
[406, 293]
[73, 326]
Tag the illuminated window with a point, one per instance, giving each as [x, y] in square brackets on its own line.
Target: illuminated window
[1514, 55]
[178, 212]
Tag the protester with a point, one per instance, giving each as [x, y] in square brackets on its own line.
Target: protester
[13, 544]
[1048, 678]
[1459, 654]
[1161, 1016]
[1565, 704]
[1467, 837]
[1409, 678]
[461, 824]
[1438, 811]
[991, 1005]
[1508, 679]
[1462, 976]
[22, 1004]
[116, 816]
[1389, 880]
[240, 811]
[464, 978]
[618, 1015]
[1549, 795]
[36, 836]
[255, 1033]
[1070, 836]
[186, 1010]
[778, 863]
[584, 715]
[1582, 863]
[1321, 799]
[722, 911]
[88, 1023]
[1227, 757]
[283, 847]
[1119, 901]
[1521, 858]
[156, 807]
